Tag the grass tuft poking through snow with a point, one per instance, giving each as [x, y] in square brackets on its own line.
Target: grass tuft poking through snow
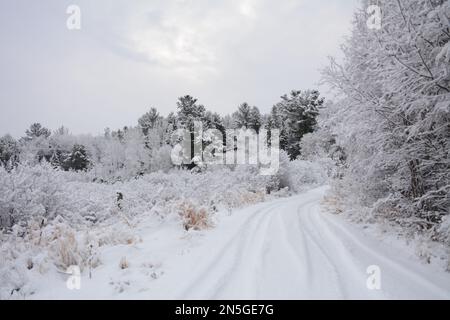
[196, 218]
[124, 264]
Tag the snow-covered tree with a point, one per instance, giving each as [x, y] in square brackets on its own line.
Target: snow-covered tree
[394, 85]
[255, 119]
[189, 112]
[9, 150]
[149, 120]
[36, 130]
[242, 117]
[77, 159]
[298, 113]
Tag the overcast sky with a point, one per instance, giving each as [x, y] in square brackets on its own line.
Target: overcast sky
[131, 55]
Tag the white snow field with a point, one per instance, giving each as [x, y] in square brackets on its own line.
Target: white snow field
[284, 249]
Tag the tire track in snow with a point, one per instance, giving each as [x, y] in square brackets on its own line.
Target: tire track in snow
[343, 261]
[398, 268]
[290, 249]
[232, 247]
[245, 265]
[300, 244]
[313, 240]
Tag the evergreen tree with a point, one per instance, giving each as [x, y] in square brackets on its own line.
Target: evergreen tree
[247, 117]
[275, 121]
[189, 112]
[299, 111]
[77, 159]
[36, 130]
[214, 121]
[172, 121]
[255, 119]
[242, 117]
[149, 120]
[170, 127]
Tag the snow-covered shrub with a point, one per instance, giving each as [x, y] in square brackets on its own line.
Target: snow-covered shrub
[13, 272]
[320, 147]
[194, 217]
[303, 174]
[297, 175]
[53, 219]
[41, 192]
[64, 246]
[30, 191]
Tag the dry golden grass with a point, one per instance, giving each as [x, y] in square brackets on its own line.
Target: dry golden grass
[333, 203]
[124, 264]
[252, 197]
[66, 248]
[194, 218]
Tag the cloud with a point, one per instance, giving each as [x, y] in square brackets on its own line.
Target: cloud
[130, 55]
[189, 35]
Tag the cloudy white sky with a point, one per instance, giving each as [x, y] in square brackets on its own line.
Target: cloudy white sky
[131, 55]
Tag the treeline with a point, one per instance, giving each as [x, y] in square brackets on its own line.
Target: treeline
[146, 147]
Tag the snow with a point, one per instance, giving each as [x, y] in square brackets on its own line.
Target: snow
[289, 248]
[136, 224]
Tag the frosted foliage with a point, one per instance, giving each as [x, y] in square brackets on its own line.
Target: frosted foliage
[392, 117]
[58, 219]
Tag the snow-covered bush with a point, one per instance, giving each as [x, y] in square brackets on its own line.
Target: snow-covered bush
[57, 218]
[52, 219]
[302, 174]
[193, 217]
[30, 192]
[41, 192]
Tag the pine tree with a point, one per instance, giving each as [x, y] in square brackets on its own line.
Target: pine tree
[77, 159]
[247, 117]
[255, 119]
[170, 127]
[242, 117]
[172, 121]
[149, 120]
[36, 130]
[189, 112]
[299, 112]
[214, 121]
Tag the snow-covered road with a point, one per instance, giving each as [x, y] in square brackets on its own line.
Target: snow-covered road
[291, 249]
